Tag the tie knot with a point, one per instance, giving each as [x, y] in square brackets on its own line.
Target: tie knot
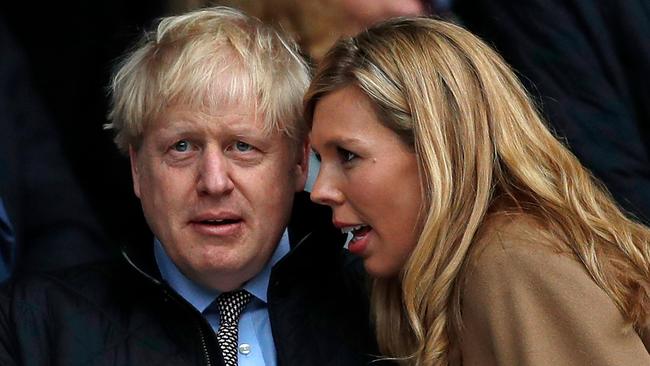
[231, 304]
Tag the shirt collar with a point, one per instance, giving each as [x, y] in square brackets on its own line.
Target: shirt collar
[201, 297]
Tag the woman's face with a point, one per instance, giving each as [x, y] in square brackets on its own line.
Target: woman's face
[369, 178]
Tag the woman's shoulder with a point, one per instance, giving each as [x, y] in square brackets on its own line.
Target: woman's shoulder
[505, 238]
[516, 258]
[527, 296]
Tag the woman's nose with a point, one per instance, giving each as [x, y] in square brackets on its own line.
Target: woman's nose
[325, 190]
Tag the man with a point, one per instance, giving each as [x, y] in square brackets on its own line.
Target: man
[208, 108]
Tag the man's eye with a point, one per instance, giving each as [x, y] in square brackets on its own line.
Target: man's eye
[181, 146]
[242, 146]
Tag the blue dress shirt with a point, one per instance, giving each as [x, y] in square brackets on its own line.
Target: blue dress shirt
[256, 345]
[7, 244]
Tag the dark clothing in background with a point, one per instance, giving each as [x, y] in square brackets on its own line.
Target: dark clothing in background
[51, 223]
[7, 243]
[587, 63]
[125, 314]
[70, 48]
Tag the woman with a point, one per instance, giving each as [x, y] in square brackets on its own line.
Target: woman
[489, 243]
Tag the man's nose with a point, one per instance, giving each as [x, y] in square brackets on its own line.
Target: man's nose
[325, 191]
[214, 174]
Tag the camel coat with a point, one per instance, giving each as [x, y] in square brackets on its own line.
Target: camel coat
[526, 303]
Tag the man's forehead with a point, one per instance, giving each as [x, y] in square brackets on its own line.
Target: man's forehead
[235, 114]
[183, 117]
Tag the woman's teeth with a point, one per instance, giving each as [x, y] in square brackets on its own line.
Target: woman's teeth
[356, 231]
[349, 229]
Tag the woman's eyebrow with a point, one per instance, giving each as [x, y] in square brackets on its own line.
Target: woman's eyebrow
[347, 141]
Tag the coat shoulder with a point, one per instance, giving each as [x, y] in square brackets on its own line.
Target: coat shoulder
[526, 300]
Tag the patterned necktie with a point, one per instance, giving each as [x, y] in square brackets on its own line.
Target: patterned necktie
[230, 306]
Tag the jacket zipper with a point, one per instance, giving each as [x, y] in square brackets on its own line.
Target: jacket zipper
[208, 362]
[204, 344]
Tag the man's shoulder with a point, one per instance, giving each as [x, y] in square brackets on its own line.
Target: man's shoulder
[66, 277]
[93, 285]
[94, 314]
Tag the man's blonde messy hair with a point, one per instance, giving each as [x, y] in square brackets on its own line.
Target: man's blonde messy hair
[206, 59]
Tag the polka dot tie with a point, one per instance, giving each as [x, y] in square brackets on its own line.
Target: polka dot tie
[230, 306]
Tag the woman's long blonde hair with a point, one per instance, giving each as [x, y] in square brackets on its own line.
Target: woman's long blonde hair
[479, 141]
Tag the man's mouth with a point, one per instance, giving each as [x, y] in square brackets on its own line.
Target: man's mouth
[217, 222]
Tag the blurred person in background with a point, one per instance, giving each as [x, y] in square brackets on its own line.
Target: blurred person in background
[68, 48]
[316, 25]
[587, 64]
[46, 222]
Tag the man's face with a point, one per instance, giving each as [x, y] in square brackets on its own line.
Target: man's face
[217, 191]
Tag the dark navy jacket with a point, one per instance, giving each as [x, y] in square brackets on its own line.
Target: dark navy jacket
[124, 314]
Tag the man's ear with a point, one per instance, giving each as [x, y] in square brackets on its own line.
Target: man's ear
[135, 174]
[302, 165]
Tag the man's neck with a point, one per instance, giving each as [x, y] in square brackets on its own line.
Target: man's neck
[200, 296]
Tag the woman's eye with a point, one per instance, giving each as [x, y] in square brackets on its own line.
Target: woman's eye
[181, 146]
[242, 146]
[346, 155]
